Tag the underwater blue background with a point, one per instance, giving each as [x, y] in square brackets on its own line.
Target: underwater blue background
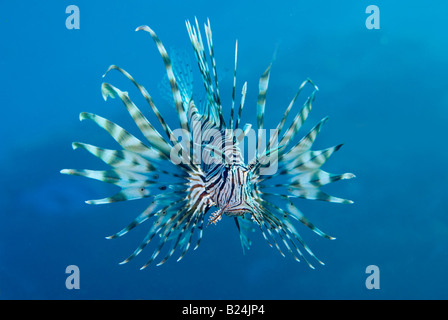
[385, 91]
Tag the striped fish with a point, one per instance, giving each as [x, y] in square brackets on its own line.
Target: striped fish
[198, 169]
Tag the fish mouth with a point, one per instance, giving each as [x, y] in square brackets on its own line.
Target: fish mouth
[240, 210]
[237, 211]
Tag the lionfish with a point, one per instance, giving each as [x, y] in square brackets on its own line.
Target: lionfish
[206, 169]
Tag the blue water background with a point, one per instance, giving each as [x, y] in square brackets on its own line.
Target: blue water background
[385, 91]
